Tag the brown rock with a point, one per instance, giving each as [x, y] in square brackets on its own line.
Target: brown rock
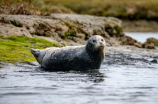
[90, 25]
[148, 45]
[152, 40]
[79, 26]
[126, 40]
[10, 30]
[139, 45]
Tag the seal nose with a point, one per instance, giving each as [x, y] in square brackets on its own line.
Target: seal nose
[100, 43]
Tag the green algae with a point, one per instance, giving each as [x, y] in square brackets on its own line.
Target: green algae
[69, 33]
[17, 48]
[118, 30]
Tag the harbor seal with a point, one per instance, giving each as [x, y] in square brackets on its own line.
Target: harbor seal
[78, 58]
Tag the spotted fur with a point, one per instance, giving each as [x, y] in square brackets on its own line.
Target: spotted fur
[86, 57]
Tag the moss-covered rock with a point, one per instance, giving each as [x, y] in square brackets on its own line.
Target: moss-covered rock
[152, 40]
[17, 48]
[151, 43]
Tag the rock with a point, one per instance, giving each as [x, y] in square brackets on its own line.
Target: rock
[46, 38]
[152, 40]
[148, 45]
[137, 44]
[90, 25]
[151, 43]
[62, 27]
[10, 30]
[154, 61]
[126, 40]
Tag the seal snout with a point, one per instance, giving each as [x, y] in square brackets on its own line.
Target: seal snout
[100, 43]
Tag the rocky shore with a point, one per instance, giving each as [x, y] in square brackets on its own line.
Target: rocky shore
[70, 30]
[67, 28]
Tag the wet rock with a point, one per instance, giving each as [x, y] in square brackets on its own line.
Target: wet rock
[152, 40]
[154, 61]
[137, 44]
[126, 40]
[148, 45]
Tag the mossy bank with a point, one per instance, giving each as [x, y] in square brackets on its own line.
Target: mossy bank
[17, 48]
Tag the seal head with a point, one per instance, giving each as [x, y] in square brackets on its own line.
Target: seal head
[95, 50]
[96, 46]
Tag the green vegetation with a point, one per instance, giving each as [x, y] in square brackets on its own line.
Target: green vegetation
[17, 48]
[124, 9]
[69, 33]
[30, 7]
[118, 30]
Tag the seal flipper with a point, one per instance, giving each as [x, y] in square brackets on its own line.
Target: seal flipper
[35, 52]
[38, 54]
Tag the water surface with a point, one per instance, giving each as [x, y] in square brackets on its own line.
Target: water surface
[141, 37]
[122, 79]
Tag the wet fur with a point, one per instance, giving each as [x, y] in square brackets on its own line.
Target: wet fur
[72, 57]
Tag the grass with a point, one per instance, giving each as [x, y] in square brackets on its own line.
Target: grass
[123, 9]
[30, 7]
[17, 48]
[69, 33]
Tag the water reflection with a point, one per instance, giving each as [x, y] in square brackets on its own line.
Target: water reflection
[84, 76]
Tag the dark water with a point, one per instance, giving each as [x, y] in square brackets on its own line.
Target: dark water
[122, 79]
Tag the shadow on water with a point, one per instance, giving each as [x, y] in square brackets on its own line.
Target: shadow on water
[90, 75]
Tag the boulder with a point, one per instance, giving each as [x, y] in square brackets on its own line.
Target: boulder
[151, 43]
[126, 40]
[152, 40]
[148, 45]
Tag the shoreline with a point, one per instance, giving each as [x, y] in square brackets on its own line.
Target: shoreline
[139, 26]
[74, 30]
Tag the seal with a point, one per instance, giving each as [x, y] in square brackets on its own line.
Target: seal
[80, 58]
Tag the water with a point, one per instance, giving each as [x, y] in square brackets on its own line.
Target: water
[122, 79]
[141, 37]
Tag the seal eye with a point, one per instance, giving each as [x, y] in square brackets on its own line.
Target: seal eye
[102, 40]
[94, 41]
